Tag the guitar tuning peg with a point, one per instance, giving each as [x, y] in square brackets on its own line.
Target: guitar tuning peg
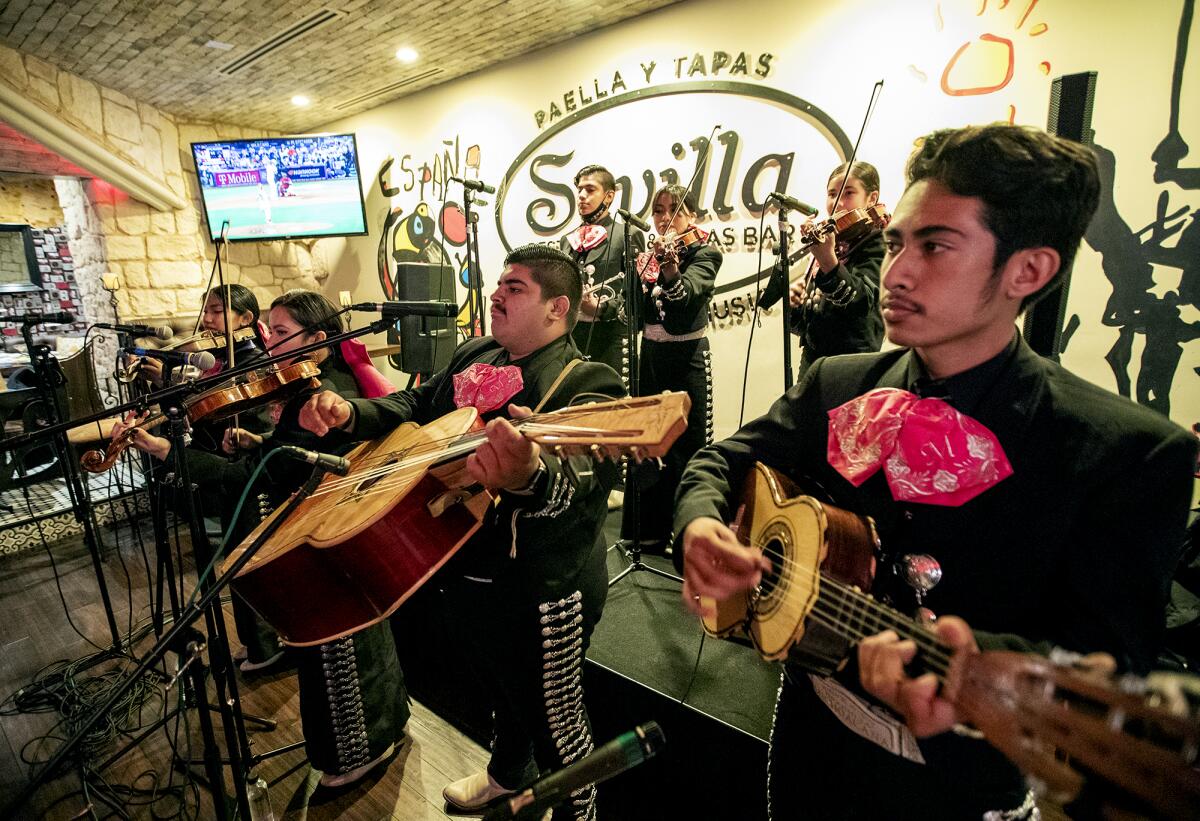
[637, 454]
[926, 616]
[558, 451]
[598, 452]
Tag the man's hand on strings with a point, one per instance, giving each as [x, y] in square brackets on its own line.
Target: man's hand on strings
[881, 660]
[507, 460]
[324, 412]
[717, 565]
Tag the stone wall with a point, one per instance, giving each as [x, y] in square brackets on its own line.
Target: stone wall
[29, 200]
[163, 258]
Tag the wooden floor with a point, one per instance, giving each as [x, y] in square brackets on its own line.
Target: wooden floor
[35, 632]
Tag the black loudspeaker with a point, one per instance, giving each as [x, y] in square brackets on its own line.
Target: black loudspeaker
[1071, 99]
[426, 342]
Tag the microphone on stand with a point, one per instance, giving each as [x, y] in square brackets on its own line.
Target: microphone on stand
[475, 185]
[634, 220]
[326, 461]
[39, 318]
[162, 332]
[793, 203]
[202, 360]
[399, 308]
[623, 752]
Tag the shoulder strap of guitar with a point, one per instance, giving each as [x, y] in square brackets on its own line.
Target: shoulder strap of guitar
[555, 385]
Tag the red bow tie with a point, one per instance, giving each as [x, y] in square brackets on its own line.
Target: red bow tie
[929, 451]
[586, 237]
[486, 387]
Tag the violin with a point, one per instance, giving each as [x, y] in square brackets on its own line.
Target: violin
[850, 227]
[242, 393]
[203, 341]
[668, 248]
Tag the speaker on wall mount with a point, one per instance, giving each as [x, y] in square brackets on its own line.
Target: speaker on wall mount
[1071, 99]
[426, 342]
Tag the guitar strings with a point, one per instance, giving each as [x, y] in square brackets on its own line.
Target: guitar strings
[843, 601]
[468, 443]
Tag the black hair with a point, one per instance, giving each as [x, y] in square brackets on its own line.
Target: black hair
[310, 310]
[678, 194]
[555, 272]
[1037, 190]
[607, 182]
[241, 299]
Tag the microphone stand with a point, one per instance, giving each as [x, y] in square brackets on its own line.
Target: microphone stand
[785, 267]
[632, 546]
[474, 268]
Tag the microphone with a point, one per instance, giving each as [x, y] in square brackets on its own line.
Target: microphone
[475, 185]
[623, 752]
[634, 220]
[326, 461]
[202, 360]
[402, 307]
[162, 332]
[792, 203]
[39, 318]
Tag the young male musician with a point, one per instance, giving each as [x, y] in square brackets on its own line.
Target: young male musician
[1073, 548]
[597, 245]
[530, 584]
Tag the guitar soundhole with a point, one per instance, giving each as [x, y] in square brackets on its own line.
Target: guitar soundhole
[380, 474]
[775, 551]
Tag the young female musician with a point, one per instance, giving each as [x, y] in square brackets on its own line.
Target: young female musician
[835, 307]
[675, 354]
[353, 704]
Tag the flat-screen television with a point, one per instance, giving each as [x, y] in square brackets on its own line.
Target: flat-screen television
[281, 187]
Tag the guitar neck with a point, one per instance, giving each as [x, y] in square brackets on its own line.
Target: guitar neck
[854, 615]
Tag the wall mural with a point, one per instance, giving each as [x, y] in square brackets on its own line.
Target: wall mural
[1151, 282]
[419, 236]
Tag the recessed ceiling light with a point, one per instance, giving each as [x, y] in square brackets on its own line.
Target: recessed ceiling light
[300, 100]
[406, 55]
[218, 45]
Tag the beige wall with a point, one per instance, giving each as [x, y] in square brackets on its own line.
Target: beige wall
[829, 54]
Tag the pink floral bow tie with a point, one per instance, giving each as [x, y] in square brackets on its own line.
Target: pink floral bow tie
[486, 387]
[929, 451]
[586, 237]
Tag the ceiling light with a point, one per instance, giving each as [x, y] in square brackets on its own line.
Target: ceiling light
[218, 45]
[406, 55]
[300, 100]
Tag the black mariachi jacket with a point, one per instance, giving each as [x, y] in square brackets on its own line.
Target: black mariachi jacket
[685, 302]
[536, 544]
[856, 326]
[1074, 549]
[605, 259]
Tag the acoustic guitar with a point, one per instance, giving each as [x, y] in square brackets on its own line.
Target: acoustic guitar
[1045, 714]
[361, 544]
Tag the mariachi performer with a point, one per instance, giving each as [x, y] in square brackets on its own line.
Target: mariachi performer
[678, 271]
[353, 704]
[602, 332]
[530, 583]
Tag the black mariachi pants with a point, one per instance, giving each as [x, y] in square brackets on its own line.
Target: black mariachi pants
[671, 366]
[528, 656]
